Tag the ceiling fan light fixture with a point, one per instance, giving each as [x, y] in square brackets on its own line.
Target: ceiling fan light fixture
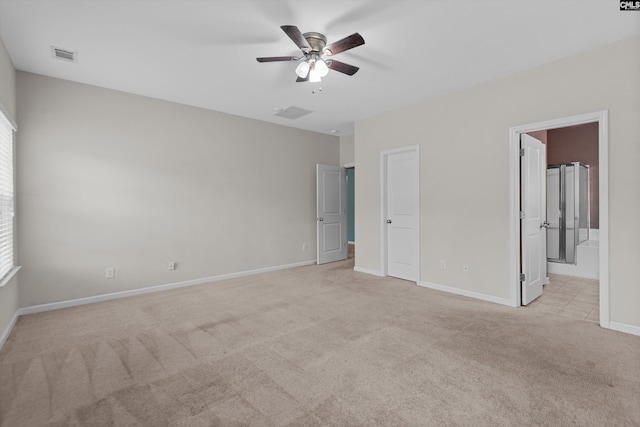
[302, 70]
[321, 68]
[314, 76]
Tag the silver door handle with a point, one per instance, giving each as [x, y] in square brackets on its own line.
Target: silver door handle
[544, 224]
[388, 221]
[320, 219]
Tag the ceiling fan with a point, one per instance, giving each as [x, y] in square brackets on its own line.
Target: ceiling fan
[315, 63]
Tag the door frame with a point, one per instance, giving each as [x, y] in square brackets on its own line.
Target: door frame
[351, 212]
[602, 118]
[384, 156]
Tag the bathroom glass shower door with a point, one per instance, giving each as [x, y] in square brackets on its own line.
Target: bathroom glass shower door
[567, 210]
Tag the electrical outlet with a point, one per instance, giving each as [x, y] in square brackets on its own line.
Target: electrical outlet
[465, 268]
[171, 265]
[304, 247]
[109, 273]
[443, 264]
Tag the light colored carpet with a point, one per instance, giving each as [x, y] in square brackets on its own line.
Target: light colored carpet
[311, 346]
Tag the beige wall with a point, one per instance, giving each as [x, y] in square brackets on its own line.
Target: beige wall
[109, 179]
[347, 150]
[464, 147]
[9, 292]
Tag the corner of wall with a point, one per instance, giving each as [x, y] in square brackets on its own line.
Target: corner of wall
[8, 309]
[7, 83]
[9, 292]
[347, 152]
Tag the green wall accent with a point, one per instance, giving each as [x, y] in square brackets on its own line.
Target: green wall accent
[350, 204]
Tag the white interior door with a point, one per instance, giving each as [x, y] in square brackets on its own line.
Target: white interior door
[402, 214]
[331, 182]
[534, 223]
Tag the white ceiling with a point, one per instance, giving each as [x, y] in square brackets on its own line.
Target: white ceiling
[202, 53]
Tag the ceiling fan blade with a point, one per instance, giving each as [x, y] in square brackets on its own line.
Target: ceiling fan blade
[341, 67]
[277, 58]
[354, 40]
[302, 79]
[294, 34]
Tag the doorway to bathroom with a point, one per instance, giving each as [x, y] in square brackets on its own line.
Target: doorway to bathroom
[576, 240]
[572, 199]
[572, 222]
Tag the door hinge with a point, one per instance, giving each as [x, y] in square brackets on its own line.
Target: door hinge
[522, 277]
[522, 152]
[521, 214]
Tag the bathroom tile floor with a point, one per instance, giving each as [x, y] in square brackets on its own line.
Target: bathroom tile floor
[569, 296]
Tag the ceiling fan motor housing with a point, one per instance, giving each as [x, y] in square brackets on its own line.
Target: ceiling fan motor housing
[317, 42]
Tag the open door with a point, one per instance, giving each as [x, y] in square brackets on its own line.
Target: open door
[331, 182]
[533, 213]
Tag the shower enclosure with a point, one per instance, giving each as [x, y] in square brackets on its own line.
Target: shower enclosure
[567, 210]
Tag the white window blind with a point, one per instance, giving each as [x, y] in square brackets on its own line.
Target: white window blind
[6, 196]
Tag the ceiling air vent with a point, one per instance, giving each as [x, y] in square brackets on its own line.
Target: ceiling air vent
[65, 55]
[291, 112]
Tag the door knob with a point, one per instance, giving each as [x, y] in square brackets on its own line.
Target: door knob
[388, 221]
[320, 219]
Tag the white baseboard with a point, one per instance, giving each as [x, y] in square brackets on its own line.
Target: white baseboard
[624, 327]
[5, 334]
[572, 270]
[466, 293]
[368, 271]
[123, 294]
[617, 326]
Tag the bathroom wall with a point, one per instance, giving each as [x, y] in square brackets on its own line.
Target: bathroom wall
[578, 144]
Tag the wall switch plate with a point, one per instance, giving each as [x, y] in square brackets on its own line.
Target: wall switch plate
[304, 247]
[109, 273]
[443, 264]
[171, 265]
